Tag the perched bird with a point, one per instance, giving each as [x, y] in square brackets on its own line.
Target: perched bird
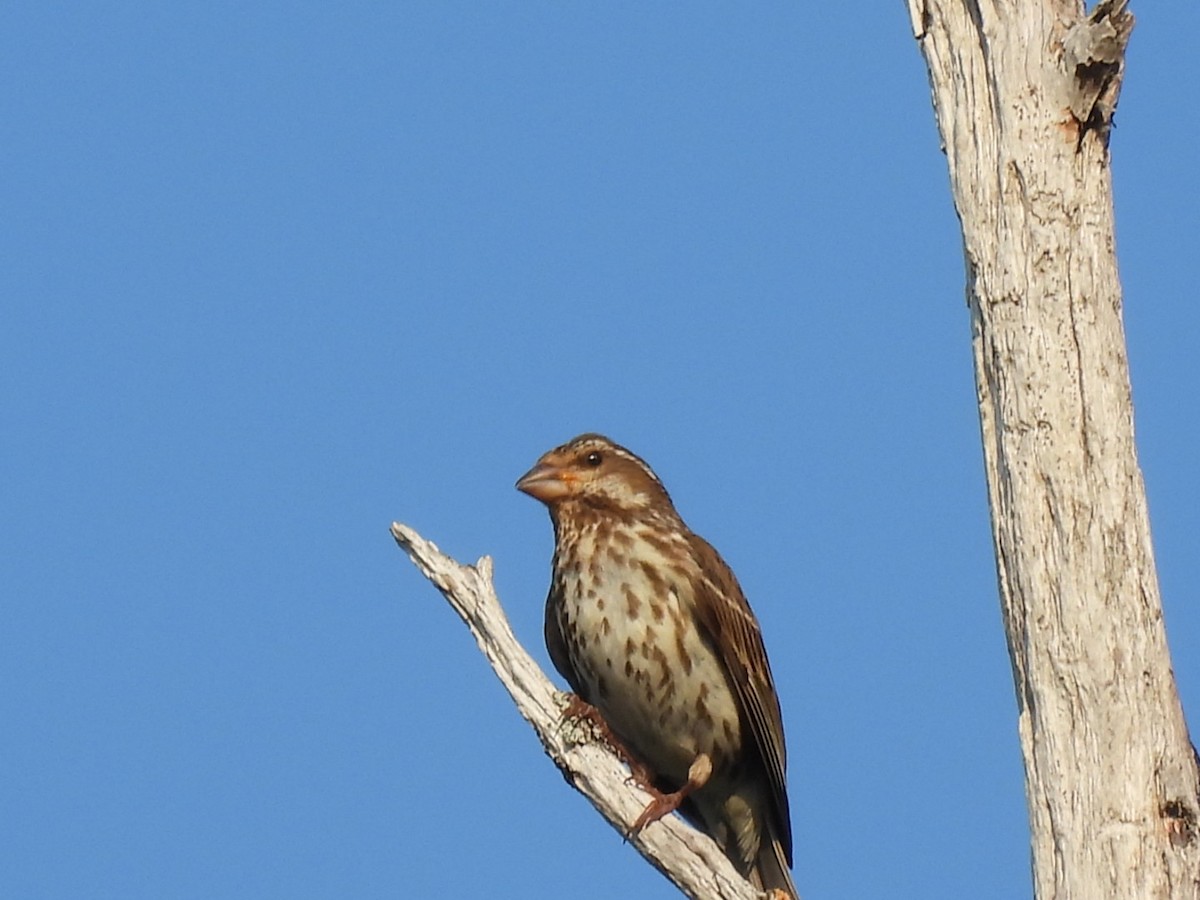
[649, 626]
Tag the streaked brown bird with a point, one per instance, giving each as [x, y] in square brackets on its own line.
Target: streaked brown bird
[648, 625]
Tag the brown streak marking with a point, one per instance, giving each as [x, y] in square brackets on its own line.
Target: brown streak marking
[681, 649]
[660, 657]
[632, 604]
[660, 544]
[658, 584]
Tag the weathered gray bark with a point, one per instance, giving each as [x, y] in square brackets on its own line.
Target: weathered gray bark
[1024, 91]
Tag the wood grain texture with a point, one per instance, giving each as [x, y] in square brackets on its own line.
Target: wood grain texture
[1024, 92]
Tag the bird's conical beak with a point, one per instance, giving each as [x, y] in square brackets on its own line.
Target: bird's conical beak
[544, 482]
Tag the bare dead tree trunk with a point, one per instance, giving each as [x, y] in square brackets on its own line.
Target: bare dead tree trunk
[1024, 92]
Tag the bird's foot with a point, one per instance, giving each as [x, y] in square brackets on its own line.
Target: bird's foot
[663, 804]
[579, 710]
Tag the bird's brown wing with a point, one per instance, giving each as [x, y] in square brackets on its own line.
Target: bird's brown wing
[724, 613]
[557, 646]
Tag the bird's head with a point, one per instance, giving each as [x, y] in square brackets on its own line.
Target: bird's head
[593, 470]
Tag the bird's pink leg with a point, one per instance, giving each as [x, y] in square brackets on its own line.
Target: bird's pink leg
[698, 774]
[663, 804]
[577, 708]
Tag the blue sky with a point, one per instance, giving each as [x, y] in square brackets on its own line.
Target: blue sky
[278, 274]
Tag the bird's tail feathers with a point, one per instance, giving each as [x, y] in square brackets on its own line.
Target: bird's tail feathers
[771, 869]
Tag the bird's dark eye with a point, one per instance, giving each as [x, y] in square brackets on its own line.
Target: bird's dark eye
[593, 459]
